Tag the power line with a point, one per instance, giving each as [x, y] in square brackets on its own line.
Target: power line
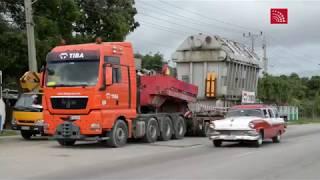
[210, 18]
[185, 18]
[171, 22]
[163, 28]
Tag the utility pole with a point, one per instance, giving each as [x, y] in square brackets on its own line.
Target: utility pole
[252, 37]
[264, 58]
[32, 61]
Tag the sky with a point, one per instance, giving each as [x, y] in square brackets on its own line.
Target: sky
[292, 47]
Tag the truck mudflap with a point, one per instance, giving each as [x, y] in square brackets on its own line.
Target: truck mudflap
[67, 130]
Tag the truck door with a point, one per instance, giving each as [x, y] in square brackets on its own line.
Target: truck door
[117, 93]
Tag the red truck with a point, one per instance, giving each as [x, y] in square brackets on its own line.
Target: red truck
[92, 91]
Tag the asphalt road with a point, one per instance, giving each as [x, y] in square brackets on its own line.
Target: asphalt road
[296, 157]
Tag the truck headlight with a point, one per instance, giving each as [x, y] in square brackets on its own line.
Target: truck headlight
[95, 126]
[39, 122]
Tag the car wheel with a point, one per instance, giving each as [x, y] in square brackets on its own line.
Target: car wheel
[64, 142]
[26, 135]
[277, 138]
[217, 143]
[167, 129]
[259, 141]
[118, 134]
[151, 131]
[179, 128]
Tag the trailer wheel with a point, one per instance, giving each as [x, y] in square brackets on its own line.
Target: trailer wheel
[179, 128]
[152, 131]
[26, 135]
[118, 135]
[167, 129]
[64, 142]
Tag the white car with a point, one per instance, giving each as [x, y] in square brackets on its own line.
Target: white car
[252, 123]
[2, 106]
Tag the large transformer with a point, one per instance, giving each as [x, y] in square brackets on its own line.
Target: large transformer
[222, 69]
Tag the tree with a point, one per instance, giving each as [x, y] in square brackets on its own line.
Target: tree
[151, 61]
[76, 21]
[110, 19]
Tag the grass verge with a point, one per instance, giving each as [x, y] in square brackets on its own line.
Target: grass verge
[8, 133]
[304, 121]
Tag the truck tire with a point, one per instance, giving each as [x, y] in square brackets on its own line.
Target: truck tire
[26, 135]
[152, 131]
[66, 142]
[167, 129]
[217, 143]
[179, 128]
[118, 135]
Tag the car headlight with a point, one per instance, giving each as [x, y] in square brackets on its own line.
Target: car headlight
[211, 125]
[251, 125]
[39, 122]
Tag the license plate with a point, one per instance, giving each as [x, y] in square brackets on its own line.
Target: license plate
[230, 137]
[25, 127]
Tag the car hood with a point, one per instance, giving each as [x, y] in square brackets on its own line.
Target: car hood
[235, 123]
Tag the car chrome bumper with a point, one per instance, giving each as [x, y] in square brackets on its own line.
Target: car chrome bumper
[234, 137]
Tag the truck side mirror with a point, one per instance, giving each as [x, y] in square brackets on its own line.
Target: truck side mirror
[108, 75]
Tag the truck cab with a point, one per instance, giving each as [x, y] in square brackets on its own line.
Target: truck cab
[2, 106]
[27, 115]
[88, 87]
[92, 91]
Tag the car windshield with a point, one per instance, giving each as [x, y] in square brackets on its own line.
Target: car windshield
[244, 112]
[29, 101]
[72, 73]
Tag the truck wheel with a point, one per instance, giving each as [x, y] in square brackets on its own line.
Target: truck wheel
[167, 129]
[217, 143]
[118, 135]
[179, 128]
[205, 128]
[26, 135]
[64, 142]
[277, 138]
[259, 141]
[151, 131]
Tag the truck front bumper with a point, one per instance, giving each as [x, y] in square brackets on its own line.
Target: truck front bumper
[33, 128]
[69, 131]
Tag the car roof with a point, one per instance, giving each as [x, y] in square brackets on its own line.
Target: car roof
[251, 106]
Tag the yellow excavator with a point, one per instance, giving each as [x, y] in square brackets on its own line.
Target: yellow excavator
[27, 112]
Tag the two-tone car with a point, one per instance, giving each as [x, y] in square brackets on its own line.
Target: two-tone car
[248, 123]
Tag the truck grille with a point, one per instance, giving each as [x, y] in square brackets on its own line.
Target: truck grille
[69, 102]
[26, 121]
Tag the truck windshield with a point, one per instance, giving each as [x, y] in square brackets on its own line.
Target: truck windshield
[29, 101]
[72, 73]
[244, 112]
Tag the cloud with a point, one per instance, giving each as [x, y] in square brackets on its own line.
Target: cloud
[291, 48]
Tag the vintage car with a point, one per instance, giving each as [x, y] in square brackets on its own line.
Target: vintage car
[248, 123]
